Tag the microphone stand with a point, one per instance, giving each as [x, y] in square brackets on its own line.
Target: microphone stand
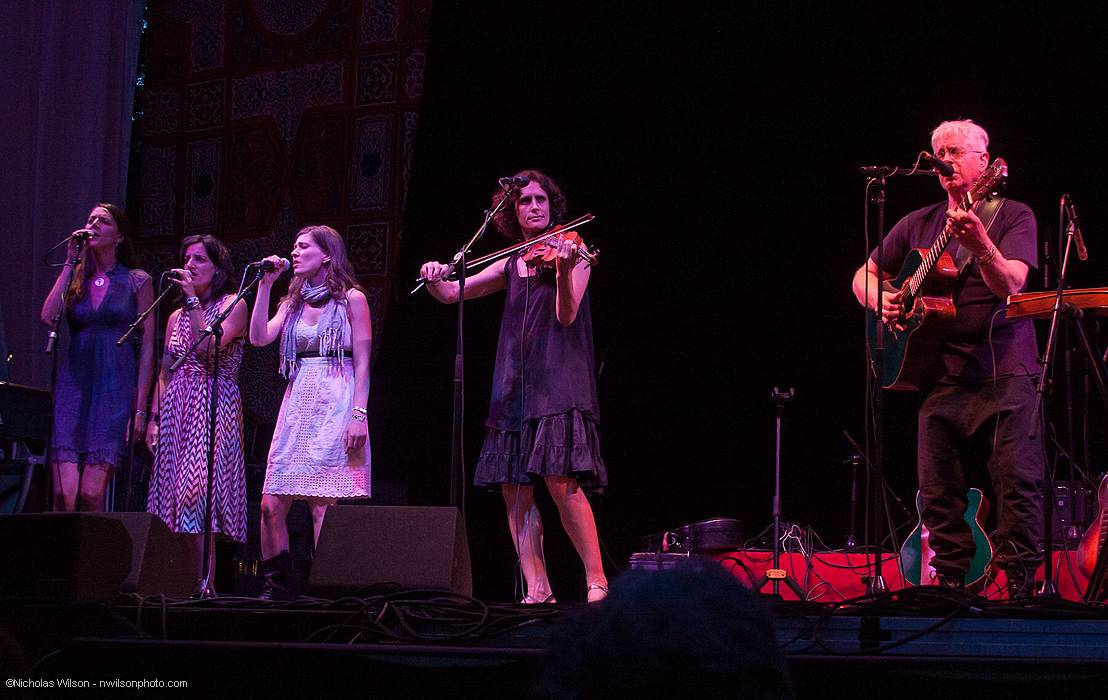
[142, 317]
[128, 505]
[860, 457]
[875, 187]
[1072, 533]
[774, 576]
[876, 585]
[214, 330]
[1048, 589]
[51, 343]
[52, 336]
[457, 442]
[852, 541]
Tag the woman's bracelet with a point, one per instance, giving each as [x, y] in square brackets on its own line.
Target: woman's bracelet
[361, 410]
[360, 417]
[141, 413]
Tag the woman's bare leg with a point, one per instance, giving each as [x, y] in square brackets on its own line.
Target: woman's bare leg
[525, 525]
[94, 487]
[580, 524]
[66, 477]
[274, 531]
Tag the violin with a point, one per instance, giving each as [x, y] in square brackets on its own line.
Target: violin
[540, 242]
[544, 252]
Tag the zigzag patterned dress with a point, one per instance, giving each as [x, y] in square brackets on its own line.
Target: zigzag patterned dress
[178, 483]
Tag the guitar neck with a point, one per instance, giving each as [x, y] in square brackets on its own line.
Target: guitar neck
[937, 248]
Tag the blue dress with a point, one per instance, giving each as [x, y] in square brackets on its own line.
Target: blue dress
[95, 392]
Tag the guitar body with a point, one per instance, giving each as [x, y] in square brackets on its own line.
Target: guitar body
[916, 553]
[912, 355]
[1092, 543]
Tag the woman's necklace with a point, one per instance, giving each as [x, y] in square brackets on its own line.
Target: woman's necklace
[100, 280]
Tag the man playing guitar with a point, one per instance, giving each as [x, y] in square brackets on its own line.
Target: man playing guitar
[980, 401]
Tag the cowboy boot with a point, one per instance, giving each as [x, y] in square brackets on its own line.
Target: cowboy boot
[276, 572]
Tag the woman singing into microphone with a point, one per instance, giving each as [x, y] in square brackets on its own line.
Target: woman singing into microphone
[542, 424]
[101, 388]
[178, 432]
[320, 449]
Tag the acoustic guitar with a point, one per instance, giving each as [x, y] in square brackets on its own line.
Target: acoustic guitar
[1092, 543]
[927, 279]
[916, 553]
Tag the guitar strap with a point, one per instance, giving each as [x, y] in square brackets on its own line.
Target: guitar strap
[986, 211]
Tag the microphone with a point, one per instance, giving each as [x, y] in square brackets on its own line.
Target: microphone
[941, 166]
[1071, 214]
[877, 170]
[281, 265]
[521, 181]
[81, 234]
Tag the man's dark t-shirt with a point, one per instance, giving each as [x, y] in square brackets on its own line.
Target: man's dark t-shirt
[980, 343]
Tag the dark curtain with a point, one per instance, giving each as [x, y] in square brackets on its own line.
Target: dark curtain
[68, 78]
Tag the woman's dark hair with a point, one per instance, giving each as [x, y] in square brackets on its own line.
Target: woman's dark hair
[125, 252]
[220, 257]
[506, 221]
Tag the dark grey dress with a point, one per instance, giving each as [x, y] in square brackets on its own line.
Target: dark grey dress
[544, 412]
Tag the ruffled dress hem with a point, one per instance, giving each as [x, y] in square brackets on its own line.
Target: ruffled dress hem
[93, 459]
[566, 444]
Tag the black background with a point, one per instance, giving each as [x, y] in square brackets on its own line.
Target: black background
[718, 147]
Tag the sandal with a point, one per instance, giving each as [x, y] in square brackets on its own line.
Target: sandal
[596, 592]
[531, 600]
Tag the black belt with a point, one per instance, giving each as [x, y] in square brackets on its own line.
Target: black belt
[316, 353]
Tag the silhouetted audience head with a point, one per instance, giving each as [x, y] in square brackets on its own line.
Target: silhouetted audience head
[693, 631]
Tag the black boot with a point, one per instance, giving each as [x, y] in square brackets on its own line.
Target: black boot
[299, 572]
[276, 573]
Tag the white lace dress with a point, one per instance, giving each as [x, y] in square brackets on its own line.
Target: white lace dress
[307, 458]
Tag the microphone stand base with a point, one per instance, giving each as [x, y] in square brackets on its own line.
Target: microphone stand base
[1047, 590]
[204, 590]
[876, 586]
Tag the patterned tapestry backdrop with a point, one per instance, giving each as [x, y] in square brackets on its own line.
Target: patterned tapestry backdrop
[258, 117]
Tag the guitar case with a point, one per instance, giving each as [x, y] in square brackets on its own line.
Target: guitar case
[701, 537]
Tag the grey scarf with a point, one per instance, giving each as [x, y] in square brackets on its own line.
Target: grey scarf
[332, 328]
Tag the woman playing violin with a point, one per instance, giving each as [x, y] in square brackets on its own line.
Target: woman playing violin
[543, 417]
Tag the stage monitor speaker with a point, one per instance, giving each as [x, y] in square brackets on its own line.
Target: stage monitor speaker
[162, 562]
[412, 546]
[86, 556]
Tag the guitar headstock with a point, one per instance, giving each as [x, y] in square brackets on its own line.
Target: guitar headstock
[990, 181]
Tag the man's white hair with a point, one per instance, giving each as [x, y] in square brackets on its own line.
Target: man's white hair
[966, 129]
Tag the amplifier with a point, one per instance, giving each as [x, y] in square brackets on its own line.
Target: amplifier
[1083, 500]
[25, 413]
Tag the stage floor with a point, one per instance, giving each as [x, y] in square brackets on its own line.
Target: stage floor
[411, 642]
